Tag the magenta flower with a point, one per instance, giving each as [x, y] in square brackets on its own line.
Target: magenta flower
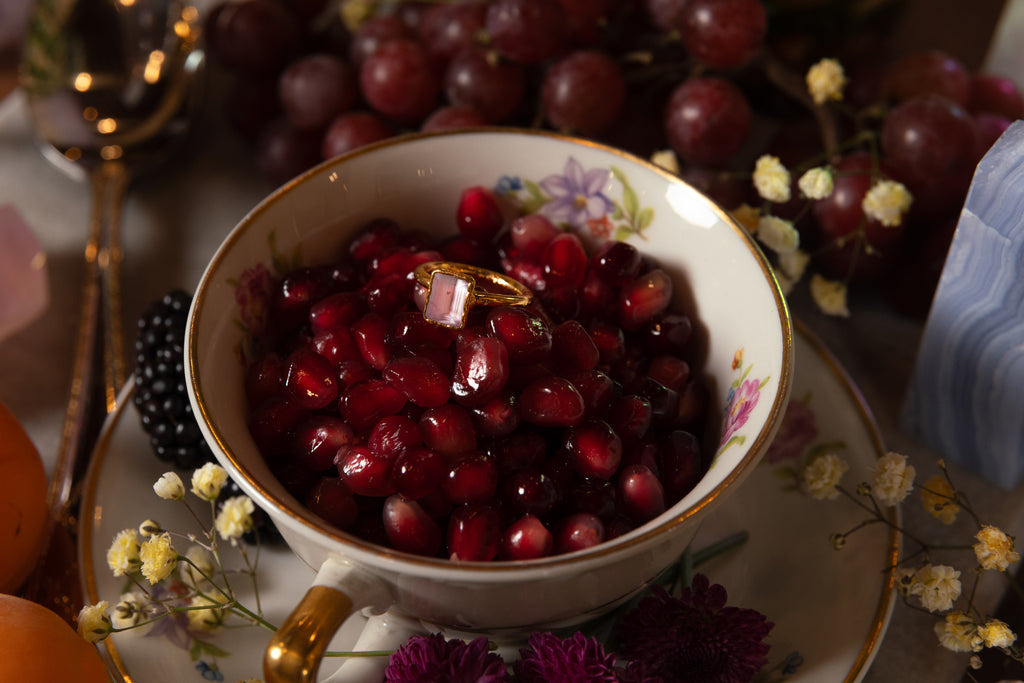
[797, 431]
[433, 659]
[576, 659]
[737, 410]
[695, 638]
[252, 296]
[576, 196]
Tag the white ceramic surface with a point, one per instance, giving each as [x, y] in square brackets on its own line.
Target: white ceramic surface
[786, 569]
[416, 181]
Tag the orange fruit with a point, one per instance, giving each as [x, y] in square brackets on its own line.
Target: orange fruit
[22, 503]
[40, 647]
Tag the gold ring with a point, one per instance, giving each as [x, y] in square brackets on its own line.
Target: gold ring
[452, 288]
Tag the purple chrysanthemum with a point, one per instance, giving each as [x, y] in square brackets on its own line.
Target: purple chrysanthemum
[576, 659]
[433, 659]
[694, 638]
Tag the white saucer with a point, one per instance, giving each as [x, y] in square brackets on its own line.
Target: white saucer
[830, 606]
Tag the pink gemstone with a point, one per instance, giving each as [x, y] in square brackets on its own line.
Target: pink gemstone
[447, 300]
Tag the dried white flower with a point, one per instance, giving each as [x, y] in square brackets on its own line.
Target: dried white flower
[994, 549]
[816, 183]
[959, 633]
[130, 611]
[208, 480]
[198, 566]
[997, 633]
[169, 487]
[778, 234]
[235, 517]
[205, 615]
[771, 179]
[830, 296]
[893, 479]
[822, 475]
[123, 554]
[825, 81]
[93, 622]
[887, 201]
[159, 558]
[937, 585]
[666, 159]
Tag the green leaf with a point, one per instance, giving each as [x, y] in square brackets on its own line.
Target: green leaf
[645, 219]
[202, 647]
[622, 233]
[764, 381]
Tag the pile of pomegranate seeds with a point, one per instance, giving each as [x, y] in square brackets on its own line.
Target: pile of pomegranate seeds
[532, 431]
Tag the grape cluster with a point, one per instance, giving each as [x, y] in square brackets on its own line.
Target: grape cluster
[315, 79]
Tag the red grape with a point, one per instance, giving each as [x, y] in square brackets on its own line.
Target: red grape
[455, 116]
[707, 120]
[481, 79]
[527, 31]
[722, 33]
[284, 151]
[352, 130]
[930, 72]
[447, 28]
[255, 36]
[373, 33]
[315, 89]
[994, 94]
[399, 81]
[583, 92]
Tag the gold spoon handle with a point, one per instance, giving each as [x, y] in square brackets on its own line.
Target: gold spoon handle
[110, 181]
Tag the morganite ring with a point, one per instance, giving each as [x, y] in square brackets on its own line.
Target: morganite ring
[452, 288]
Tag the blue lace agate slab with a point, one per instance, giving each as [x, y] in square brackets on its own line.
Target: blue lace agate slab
[966, 395]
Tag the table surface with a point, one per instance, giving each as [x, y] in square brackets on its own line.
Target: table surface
[168, 242]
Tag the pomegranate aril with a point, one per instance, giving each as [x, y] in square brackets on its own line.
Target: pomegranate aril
[440, 357]
[528, 272]
[295, 478]
[594, 448]
[529, 492]
[472, 479]
[478, 216]
[531, 234]
[332, 500]
[419, 380]
[630, 416]
[596, 296]
[519, 451]
[336, 345]
[679, 463]
[470, 252]
[641, 496]
[317, 441]
[671, 371]
[615, 263]
[551, 402]
[362, 405]
[573, 348]
[693, 403]
[644, 298]
[526, 336]
[309, 379]
[409, 329]
[526, 539]
[561, 303]
[597, 389]
[448, 429]
[373, 239]
[393, 435]
[263, 379]
[498, 416]
[564, 261]
[365, 473]
[409, 528]
[481, 370]
[370, 333]
[418, 471]
[386, 294]
[353, 371]
[578, 532]
[474, 533]
[273, 422]
[618, 525]
[338, 310]
[609, 340]
[594, 496]
[664, 401]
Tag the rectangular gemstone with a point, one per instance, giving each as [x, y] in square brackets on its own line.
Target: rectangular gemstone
[448, 300]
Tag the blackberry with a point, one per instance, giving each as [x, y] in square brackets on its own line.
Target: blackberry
[161, 398]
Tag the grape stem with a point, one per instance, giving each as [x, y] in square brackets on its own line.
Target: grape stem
[791, 83]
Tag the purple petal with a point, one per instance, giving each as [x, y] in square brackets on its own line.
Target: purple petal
[594, 180]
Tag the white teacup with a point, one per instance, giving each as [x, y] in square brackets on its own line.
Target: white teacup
[720, 278]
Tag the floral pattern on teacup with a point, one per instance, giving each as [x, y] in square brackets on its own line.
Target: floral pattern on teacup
[797, 442]
[581, 199]
[253, 290]
[740, 402]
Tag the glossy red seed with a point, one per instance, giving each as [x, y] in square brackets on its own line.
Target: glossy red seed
[594, 448]
[498, 416]
[609, 340]
[410, 330]
[526, 336]
[596, 296]
[523, 449]
[365, 473]
[373, 239]
[386, 294]
[531, 234]
[572, 347]
[263, 379]
[529, 492]
[565, 261]
[336, 345]
[551, 402]
[679, 464]
[318, 439]
[298, 291]
[615, 262]
[418, 471]
[578, 532]
[309, 379]
[526, 539]
[480, 371]
[354, 371]
[664, 401]
[409, 528]
[671, 371]
[474, 533]
[370, 334]
[641, 496]
[272, 424]
[419, 380]
[561, 303]
[448, 429]
[526, 271]
[597, 389]
[693, 403]
[478, 215]
[644, 298]
[393, 435]
[338, 310]
[630, 416]
[362, 405]
[594, 496]
[668, 333]
[472, 479]
[332, 500]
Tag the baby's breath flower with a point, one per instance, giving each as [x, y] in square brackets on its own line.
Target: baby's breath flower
[747, 216]
[169, 487]
[130, 611]
[93, 622]
[667, 159]
[208, 618]
[149, 527]
[793, 263]
[886, 202]
[838, 541]
[903, 579]
[158, 558]
[937, 497]
[994, 549]
[778, 234]
[208, 480]
[997, 633]
[830, 296]
[235, 517]
[959, 633]
[123, 554]
[825, 81]
[893, 479]
[199, 566]
[937, 585]
[975, 662]
[771, 179]
[816, 183]
[822, 475]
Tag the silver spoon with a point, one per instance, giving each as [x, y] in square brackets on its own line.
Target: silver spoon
[112, 88]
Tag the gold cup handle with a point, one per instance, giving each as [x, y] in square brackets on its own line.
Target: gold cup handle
[296, 649]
